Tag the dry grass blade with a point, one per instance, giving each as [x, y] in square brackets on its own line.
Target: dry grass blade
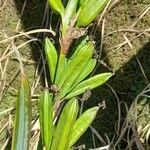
[143, 13]
[117, 47]
[101, 17]
[129, 31]
[119, 109]
[142, 70]
[3, 5]
[5, 144]
[98, 135]
[5, 125]
[27, 33]
[6, 111]
[8, 54]
[136, 139]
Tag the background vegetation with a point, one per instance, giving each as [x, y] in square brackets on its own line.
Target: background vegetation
[123, 46]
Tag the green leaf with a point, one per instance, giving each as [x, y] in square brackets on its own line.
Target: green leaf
[74, 69]
[60, 68]
[82, 42]
[82, 123]
[21, 132]
[57, 6]
[89, 12]
[90, 83]
[82, 2]
[83, 55]
[65, 123]
[51, 55]
[70, 12]
[83, 74]
[86, 71]
[46, 118]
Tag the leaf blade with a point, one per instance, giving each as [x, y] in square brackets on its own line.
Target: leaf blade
[57, 6]
[82, 2]
[66, 120]
[46, 118]
[82, 123]
[70, 12]
[52, 57]
[21, 133]
[60, 68]
[90, 83]
[89, 11]
[87, 70]
[74, 68]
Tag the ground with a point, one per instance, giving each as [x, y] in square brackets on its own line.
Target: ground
[125, 49]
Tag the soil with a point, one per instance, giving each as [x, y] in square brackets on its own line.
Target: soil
[130, 61]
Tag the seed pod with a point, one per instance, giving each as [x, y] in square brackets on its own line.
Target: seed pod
[21, 132]
[64, 126]
[90, 83]
[57, 6]
[81, 124]
[89, 11]
[46, 118]
[51, 55]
